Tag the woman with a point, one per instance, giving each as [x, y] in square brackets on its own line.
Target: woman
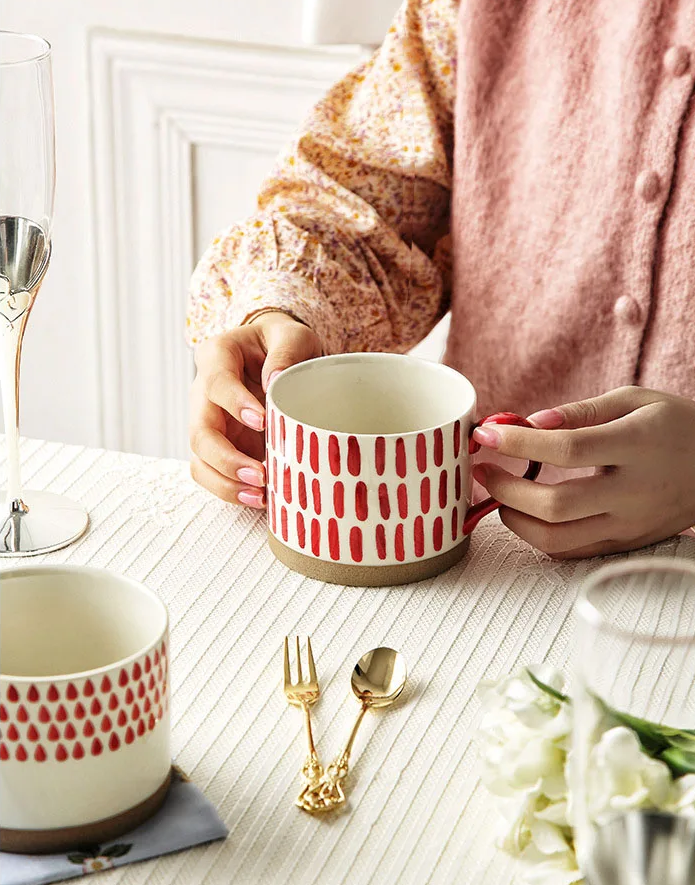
[549, 147]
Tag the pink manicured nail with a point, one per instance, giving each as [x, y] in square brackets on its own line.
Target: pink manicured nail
[251, 476]
[273, 376]
[252, 499]
[252, 419]
[486, 437]
[547, 419]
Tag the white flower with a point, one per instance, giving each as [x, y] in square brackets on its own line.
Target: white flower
[620, 776]
[523, 740]
[96, 864]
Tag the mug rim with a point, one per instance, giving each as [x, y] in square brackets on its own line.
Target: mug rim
[371, 357]
[30, 570]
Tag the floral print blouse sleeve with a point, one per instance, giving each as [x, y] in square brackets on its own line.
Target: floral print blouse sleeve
[351, 232]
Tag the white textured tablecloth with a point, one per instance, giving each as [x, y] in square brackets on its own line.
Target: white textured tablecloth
[418, 813]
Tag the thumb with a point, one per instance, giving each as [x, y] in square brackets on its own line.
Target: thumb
[595, 410]
[287, 343]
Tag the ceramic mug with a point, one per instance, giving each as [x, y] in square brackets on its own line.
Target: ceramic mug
[367, 460]
[84, 707]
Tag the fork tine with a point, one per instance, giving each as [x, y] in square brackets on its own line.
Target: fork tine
[312, 668]
[299, 662]
[288, 675]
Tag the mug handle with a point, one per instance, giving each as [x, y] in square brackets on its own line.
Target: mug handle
[475, 513]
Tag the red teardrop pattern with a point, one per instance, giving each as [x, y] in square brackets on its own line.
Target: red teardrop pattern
[164, 649]
[152, 694]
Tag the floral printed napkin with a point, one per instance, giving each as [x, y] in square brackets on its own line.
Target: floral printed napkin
[187, 818]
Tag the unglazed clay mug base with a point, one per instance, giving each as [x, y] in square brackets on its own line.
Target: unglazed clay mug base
[367, 458]
[84, 707]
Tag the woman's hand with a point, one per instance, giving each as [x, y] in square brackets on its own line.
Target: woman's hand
[642, 444]
[227, 417]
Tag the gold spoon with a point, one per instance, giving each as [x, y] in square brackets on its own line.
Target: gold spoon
[377, 680]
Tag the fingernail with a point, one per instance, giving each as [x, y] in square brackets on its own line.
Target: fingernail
[479, 474]
[251, 476]
[252, 419]
[487, 437]
[547, 419]
[273, 376]
[251, 499]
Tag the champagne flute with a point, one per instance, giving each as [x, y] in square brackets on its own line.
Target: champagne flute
[632, 767]
[32, 522]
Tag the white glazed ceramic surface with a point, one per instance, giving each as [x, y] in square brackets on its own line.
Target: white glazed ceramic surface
[84, 696]
[367, 458]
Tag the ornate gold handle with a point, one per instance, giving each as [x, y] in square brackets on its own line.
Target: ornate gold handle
[312, 770]
[328, 793]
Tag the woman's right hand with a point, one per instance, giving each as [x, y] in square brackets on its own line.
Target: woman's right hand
[227, 415]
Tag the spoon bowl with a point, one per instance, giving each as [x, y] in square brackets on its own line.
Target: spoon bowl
[379, 677]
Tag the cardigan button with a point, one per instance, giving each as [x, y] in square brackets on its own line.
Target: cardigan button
[648, 185]
[626, 308]
[677, 61]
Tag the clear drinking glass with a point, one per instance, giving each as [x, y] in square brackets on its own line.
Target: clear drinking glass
[32, 522]
[632, 767]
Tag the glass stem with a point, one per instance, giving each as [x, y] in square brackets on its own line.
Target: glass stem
[11, 337]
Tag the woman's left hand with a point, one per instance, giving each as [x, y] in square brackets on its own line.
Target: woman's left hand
[642, 444]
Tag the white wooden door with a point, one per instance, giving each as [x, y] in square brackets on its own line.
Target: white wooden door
[169, 114]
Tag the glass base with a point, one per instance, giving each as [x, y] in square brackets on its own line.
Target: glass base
[40, 523]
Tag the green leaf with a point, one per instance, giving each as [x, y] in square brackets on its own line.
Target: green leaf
[116, 851]
[679, 761]
[548, 689]
[78, 857]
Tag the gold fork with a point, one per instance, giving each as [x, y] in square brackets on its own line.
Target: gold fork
[305, 693]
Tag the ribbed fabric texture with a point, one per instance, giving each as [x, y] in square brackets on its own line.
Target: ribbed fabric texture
[418, 813]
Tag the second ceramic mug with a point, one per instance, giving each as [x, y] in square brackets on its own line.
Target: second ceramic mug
[368, 468]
